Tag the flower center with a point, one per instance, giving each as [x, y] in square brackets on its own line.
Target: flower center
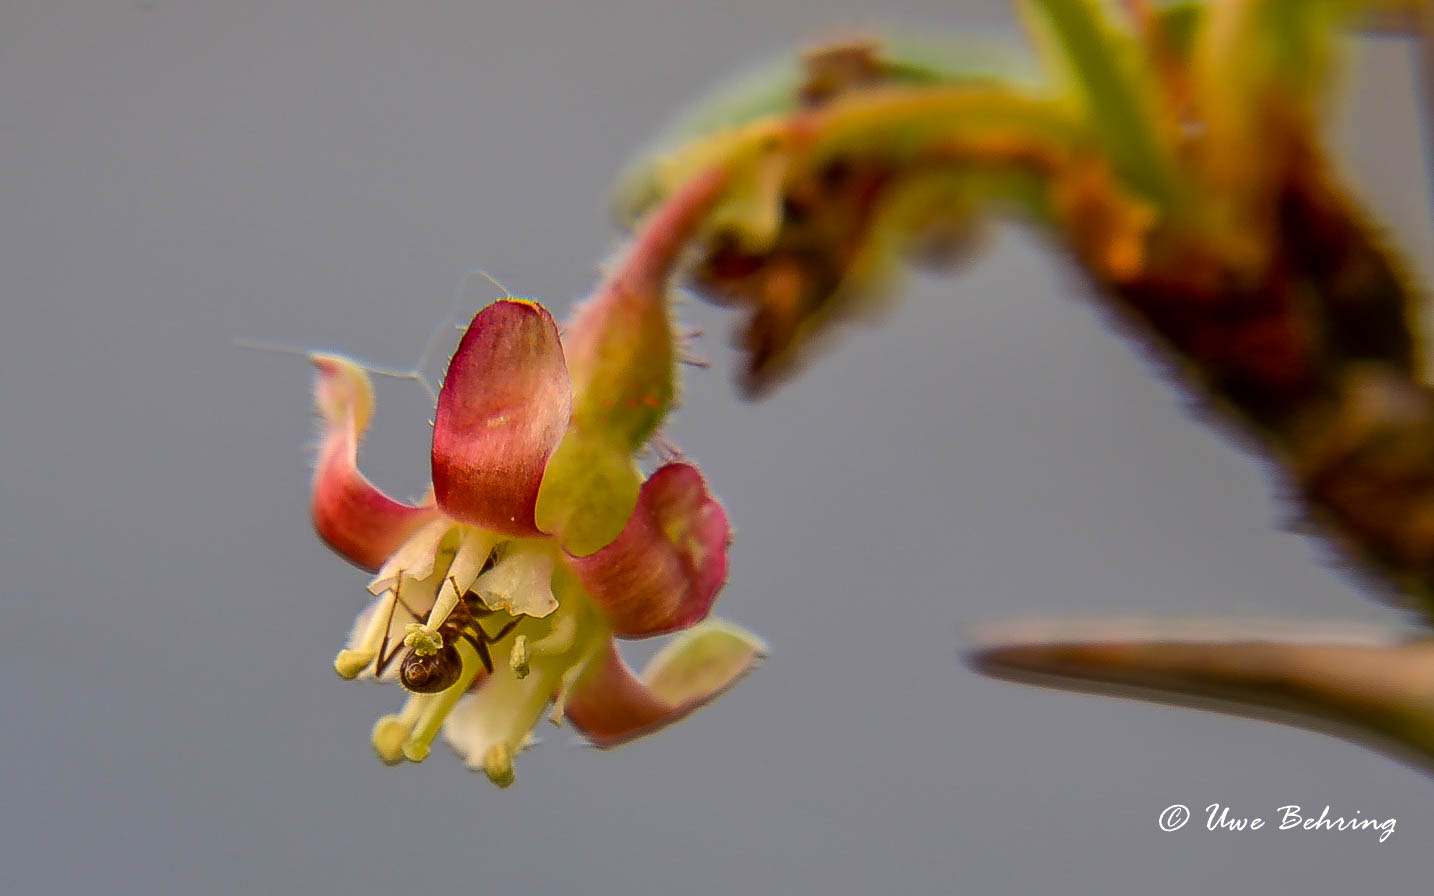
[447, 602]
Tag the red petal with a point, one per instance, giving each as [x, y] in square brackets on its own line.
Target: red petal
[350, 514]
[611, 706]
[504, 406]
[665, 569]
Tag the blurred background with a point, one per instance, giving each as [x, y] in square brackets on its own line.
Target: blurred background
[176, 176]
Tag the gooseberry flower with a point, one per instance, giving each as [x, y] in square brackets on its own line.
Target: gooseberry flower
[499, 596]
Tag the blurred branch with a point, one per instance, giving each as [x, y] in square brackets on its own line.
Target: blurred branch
[1369, 686]
[1175, 153]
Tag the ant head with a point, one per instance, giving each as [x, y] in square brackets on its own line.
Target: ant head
[431, 673]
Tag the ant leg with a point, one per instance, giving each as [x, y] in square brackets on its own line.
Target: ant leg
[494, 639]
[383, 662]
[476, 609]
[417, 616]
[480, 644]
[502, 631]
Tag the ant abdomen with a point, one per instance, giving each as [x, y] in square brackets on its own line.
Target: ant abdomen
[435, 672]
[431, 673]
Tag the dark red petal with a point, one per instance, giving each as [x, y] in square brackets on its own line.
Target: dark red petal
[503, 408]
[664, 570]
[350, 514]
[611, 706]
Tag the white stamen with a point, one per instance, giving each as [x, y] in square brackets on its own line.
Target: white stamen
[352, 661]
[415, 558]
[502, 711]
[430, 720]
[474, 546]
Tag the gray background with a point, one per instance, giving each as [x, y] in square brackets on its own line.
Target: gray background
[174, 176]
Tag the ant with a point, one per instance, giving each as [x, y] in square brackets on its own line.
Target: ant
[435, 672]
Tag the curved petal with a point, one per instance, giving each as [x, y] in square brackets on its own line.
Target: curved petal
[665, 569]
[350, 514]
[504, 406]
[520, 583]
[611, 706]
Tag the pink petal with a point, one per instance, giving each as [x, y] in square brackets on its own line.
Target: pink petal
[611, 706]
[664, 570]
[350, 514]
[504, 406]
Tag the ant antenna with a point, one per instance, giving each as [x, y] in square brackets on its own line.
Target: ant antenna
[414, 374]
[507, 293]
[442, 326]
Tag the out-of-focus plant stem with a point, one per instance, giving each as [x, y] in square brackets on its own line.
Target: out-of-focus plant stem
[1176, 155]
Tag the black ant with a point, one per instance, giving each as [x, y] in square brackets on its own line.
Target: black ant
[435, 672]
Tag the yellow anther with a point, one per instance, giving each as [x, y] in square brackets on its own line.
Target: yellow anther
[498, 764]
[416, 751]
[352, 661]
[422, 640]
[518, 657]
[349, 663]
[389, 733]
